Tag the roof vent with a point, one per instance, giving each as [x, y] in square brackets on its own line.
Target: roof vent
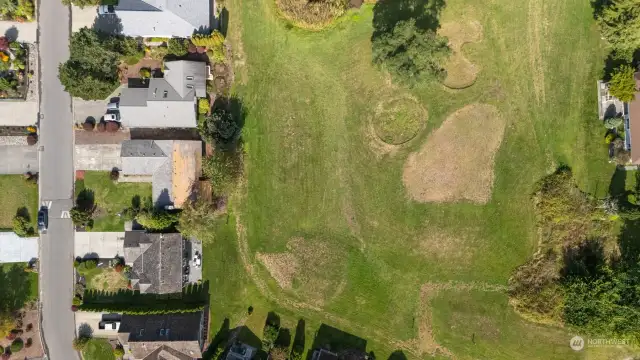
[141, 332]
[189, 86]
[165, 94]
[154, 92]
[189, 77]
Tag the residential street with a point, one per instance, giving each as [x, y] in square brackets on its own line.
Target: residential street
[56, 184]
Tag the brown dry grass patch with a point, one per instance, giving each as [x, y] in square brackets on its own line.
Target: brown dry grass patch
[312, 15]
[108, 280]
[456, 162]
[312, 269]
[461, 72]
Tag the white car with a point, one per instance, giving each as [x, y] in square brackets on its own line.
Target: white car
[110, 117]
[106, 9]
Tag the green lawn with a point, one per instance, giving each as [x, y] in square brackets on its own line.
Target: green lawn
[110, 198]
[98, 349]
[106, 279]
[17, 194]
[20, 286]
[311, 174]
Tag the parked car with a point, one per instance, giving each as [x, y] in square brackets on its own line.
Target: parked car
[113, 106]
[106, 9]
[43, 219]
[111, 117]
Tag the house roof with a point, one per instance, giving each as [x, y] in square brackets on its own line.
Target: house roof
[634, 123]
[155, 337]
[168, 101]
[174, 166]
[155, 260]
[163, 18]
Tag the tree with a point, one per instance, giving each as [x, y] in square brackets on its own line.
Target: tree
[269, 336]
[622, 84]
[81, 217]
[91, 72]
[16, 345]
[178, 47]
[114, 175]
[145, 73]
[195, 218]
[223, 169]
[620, 25]
[613, 123]
[411, 54]
[220, 128]
[157, 220]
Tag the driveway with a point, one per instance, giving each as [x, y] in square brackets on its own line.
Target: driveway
[98, 157]
[83, 109]
[18, 159]
[56, 183]
[16, 249]
[92, 320]
[18, 113]
[99, 244]
[23, 32]
[83, 17]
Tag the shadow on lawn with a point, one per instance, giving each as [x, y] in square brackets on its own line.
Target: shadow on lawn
[15, 284]
[387, 13]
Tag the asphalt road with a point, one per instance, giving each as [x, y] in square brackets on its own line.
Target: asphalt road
[56, 183]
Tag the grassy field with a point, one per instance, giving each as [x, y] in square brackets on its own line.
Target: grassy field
[323, 229]
[16, 194]
[98, 349]
[111, 198]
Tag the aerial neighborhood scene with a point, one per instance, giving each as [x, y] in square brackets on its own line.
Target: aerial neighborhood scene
[319, 179]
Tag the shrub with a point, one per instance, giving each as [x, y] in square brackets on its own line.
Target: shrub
[145, 73]
[203, 106]
[157, 220]
[118, 268]
[223, 169]
[221, 128]
[86, 266]
[4, 43]
[102, 126]
[112, 126]
[178, 47]
[208, 41]
[21, 226]
[17, 345]
[76, 301]
[29, 327]
[118, 351]
[80, 343]
[622, 84]
[114, 175]
[312, 13]
[81, 217]
[88, 126]
[269, 336]
[28, 343]
[159, 39]
[613, 123]
[411, 54]
[609, 138]
[218, 54]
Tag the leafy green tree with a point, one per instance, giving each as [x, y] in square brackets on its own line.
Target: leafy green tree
[195, 218]
[81, 216]
[411, 54]
[269, 336]
[157, 220]
[21, 226]
[221, 128]
[620, 25]
[613, 123]
[178, 47]
[622, 84]
[91, 72]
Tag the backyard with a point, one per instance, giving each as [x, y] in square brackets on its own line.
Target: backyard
[350, 214]
[111, 198]
[104, 278]
[17, 194]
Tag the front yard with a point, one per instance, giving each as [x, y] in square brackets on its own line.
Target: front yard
[111, 198]
[106, 279]
[98, 349]
[17, 195]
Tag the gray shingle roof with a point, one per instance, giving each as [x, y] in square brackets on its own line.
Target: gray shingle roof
[163, 18]
[148, 336]
[168, 101]
[156, 261]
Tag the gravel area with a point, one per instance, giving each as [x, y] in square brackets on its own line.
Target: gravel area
[13, 140]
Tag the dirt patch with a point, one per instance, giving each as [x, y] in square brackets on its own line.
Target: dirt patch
[461, 72]
[133, 71]
[187, 169]
[399, 120]
[282, 267]
[108, 280]
[83, 137]
[445, 245]
[456, 162]
[313, 269]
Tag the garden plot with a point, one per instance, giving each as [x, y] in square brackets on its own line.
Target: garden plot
[456, 163]
[461, 72]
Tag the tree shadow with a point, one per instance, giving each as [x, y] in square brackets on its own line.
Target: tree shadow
[617, 185]
[23, 212]
[85, 200]
[284, 338]
[224, 21]
[299, 338]
[108, 24]
[163, 199]
[219, 341]
[11, 34]
[397, 355]
[612, 62]
[136, 202]
[337, 341]
[387, 13]
[584, 261]
[15, 284]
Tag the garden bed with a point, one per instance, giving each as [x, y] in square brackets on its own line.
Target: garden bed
[14, 70]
